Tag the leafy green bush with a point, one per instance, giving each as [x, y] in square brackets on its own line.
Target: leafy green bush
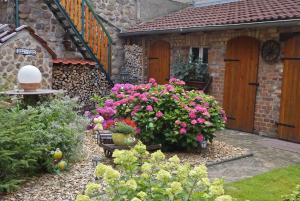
[190, 70]
[140, 176]
[121, 127]
[27, 137]
[294, 196]
[165, 114]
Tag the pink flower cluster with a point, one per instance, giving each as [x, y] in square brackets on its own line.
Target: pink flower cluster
[177, 82]
[150, 99]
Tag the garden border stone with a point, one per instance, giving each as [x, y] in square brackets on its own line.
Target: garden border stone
[246, 155]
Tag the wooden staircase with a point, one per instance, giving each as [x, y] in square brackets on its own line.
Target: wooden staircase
[86, 31]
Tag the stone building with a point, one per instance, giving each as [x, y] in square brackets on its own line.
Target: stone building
[7, 11]
[20, 47]
[252, 50]
[116, 15]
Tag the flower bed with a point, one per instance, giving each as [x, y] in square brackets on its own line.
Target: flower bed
[166, 114]
[141, 176]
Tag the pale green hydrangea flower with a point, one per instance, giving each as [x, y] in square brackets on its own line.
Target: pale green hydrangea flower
[203, 184]
[83, 198]
[146, 167]
[216, 188]
[140, 150]
[198, 172]
[142, 195]
[224, 198]
[176, 187]
[131, 183]
[157, 156]
[145, 176]
[111, 175]
[163, 175]
[174, 159]
[92, 189]
[100, 170]
[136, 199]
[124, 157]
[183, 172]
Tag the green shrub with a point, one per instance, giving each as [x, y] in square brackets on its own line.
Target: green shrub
[121, 127]
[294, 196]
[27, 137]
[165, 114]
[140, 176]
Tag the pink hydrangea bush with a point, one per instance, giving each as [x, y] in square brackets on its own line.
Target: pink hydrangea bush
[165, 114]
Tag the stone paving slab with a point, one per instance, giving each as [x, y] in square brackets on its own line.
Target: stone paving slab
[265, 158]
[280, 144]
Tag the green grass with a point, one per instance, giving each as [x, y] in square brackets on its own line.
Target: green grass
[269, 186]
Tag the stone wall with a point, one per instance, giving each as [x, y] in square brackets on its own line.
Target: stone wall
[118, 14]
[37, 15]
[80, 81]
[10, 63]
[269, 76]
[149, 9]
[7, 12]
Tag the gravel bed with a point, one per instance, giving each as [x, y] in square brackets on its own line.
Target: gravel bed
[215, 152]
[65, 187]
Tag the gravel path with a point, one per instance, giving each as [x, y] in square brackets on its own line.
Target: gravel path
[66, 186]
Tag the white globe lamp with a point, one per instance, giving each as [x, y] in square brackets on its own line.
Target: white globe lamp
[30, 78]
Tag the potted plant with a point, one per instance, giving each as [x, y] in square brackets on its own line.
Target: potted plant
[193, 72]
[123, 134]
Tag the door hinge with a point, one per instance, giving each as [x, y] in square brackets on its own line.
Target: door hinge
[290, 58]
[253, 84]
[231, 59]
[285, 125]
[231, 118]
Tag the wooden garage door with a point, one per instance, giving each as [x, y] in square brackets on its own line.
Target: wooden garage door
[159, 61]
[289, 123]
[240, 82]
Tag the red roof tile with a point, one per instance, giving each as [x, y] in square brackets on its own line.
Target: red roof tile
[244, 11]
[74, 62]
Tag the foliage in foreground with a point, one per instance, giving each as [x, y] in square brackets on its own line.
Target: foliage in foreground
[140, 176]
[27, 137]
[294, 196]
[166, 114]
[269, 186]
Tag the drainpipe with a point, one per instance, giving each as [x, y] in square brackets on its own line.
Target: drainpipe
[17, 21]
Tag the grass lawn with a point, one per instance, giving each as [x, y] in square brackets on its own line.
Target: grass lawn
[269, 186]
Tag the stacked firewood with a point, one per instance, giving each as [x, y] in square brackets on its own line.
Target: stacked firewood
[133, 63]
[81, 81]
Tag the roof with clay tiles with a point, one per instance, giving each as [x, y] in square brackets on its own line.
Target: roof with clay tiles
[238, 12]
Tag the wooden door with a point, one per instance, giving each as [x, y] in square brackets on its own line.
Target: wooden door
[289, 121]
[240, 84]
[159, 62]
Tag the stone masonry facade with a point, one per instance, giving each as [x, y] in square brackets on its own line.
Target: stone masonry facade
[37, 15]
[118, 14]
[7, 12]
[11, 62]
[267, 107]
